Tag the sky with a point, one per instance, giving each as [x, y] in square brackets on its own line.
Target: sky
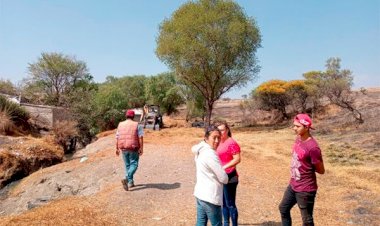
[118, 37]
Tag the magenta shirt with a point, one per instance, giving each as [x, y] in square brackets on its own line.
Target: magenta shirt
[225, 152]
[305, 155]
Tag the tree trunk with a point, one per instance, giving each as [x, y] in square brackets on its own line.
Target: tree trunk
[210, 105]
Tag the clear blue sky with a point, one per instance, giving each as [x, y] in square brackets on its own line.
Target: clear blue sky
[117, 37]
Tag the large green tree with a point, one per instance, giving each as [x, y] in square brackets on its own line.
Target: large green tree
[82, 108]
[55, 75]
[115, 96]
[195, 103]
[211, 46]
[163, 90]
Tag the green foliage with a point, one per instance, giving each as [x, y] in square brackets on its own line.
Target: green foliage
[32, 92]
[7, 87]
[195, 103]
[335, 84]
[279, 94]
[163, 90]
[82, 108]
[211, 46]
[115, 96]
[297, 94]
[53, 77]
[11, 114]
[272, 95]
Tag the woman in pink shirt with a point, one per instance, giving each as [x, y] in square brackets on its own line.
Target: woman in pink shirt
[229, 155]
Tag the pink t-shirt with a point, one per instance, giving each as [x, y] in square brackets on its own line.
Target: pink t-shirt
[225, 152]
[305, 155]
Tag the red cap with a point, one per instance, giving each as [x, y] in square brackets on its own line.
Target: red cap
[305, 120]
[130, 113]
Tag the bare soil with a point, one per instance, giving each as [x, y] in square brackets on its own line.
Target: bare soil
[88, 191]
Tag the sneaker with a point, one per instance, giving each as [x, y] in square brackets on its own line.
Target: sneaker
[125, 184]
[131, 185]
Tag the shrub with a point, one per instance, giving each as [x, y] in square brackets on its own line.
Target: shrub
[65, 134]
[6, 123]
[12, 116]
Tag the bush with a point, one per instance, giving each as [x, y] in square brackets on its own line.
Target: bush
[6, 123]
[65, 134]
[12, 116]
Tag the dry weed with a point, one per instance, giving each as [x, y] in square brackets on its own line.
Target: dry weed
[6, 123]
[170, 122]
[345, 154]
[64, 132]
[11, 168]
[68, 211]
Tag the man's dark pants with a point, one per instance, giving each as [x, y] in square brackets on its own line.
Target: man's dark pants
[305, 201]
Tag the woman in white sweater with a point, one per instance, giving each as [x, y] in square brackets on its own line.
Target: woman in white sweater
[210, 179]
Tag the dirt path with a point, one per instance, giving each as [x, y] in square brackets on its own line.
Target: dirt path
[90, 192]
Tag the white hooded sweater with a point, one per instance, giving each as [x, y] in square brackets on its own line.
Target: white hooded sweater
[210, 174]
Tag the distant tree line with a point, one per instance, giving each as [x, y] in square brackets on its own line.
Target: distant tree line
[60, 80]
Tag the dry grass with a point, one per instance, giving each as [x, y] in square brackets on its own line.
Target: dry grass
[345, 154]
[106, 133]
[264, 176]
[6, 123]
[68, 211]
[63, 132]
[170, 122]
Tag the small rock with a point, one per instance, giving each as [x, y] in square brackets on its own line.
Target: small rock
[157, 218]
[83, 159]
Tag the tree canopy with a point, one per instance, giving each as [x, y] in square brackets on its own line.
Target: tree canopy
[335, 84]
[7, 87]
[211, 46]
[163, 90]
[115, 96]
[272, 95]
[54, 75]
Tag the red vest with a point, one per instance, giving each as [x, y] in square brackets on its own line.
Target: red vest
[127, 135]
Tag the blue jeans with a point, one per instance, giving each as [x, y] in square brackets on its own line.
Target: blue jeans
[205, 211]
[131, 162]
[305, 201]
[229, 204]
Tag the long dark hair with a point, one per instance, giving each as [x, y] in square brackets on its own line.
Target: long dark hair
[219, 123]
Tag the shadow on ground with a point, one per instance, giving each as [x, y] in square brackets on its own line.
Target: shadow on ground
[161, 186]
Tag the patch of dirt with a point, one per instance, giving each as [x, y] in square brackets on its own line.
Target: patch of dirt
[88, 191]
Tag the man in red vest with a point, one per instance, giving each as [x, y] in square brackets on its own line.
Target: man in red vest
[129, 141]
